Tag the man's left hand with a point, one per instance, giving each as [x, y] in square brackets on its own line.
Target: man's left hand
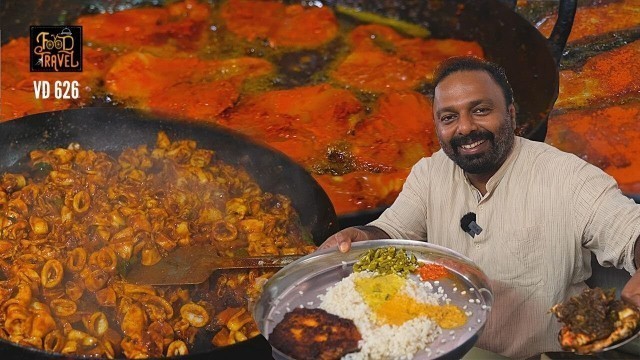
[631, 291]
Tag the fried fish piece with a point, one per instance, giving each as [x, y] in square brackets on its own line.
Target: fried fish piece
[607, 78]
[594, 320]
[315, 334]
[181, 86]
[607, 137]
[592, 21]
[382, 60]
[280, 25]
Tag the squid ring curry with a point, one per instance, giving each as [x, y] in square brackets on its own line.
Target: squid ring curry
[72, 223]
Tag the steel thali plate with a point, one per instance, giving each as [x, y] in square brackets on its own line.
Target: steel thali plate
[299, 284]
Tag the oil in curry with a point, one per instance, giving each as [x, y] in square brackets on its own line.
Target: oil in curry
[339, 91]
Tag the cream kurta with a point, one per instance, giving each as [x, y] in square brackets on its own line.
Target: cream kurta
[542, 213]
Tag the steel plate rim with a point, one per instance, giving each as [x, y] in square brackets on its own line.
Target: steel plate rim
[331, 259]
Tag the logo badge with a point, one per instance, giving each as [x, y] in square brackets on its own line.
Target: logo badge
[56, 48]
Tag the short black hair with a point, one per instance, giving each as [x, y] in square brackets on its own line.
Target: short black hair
[472, 63]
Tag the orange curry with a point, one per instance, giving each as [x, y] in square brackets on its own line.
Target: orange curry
[597, 112]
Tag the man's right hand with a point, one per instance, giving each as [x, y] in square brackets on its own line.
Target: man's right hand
[343, 238]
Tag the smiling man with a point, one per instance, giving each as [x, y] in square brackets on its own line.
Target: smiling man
[475, 119]
[541, 211]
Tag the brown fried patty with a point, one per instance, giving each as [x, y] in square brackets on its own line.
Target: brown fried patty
[315, 334]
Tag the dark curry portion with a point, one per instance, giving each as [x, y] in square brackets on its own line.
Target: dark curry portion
[594, 320]
[593, 312]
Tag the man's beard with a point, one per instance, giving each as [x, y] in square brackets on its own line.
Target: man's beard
[490, 161]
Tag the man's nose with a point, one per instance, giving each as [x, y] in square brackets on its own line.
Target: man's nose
[466, 124]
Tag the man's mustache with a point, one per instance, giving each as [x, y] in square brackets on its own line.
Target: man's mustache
[471, 138]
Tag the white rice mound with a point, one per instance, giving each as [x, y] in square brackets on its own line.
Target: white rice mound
[382, 341]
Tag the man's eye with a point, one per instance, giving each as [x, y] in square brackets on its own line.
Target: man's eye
[482, 110]
[447, 118]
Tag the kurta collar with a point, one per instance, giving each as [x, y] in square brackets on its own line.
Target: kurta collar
[495, 179]
[511, 158]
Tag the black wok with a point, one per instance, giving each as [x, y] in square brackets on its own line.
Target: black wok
[530, 60]
[112, 129]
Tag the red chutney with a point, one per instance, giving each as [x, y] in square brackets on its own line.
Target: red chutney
[432, 272]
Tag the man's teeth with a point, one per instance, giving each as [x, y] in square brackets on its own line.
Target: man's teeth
[471, 146]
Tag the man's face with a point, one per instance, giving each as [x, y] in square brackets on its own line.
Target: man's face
[474, 124]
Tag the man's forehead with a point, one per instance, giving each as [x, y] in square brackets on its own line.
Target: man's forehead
[463, 77]
[465, 83]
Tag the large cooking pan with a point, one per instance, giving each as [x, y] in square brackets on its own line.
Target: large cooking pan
[112, 129]
[530, 60]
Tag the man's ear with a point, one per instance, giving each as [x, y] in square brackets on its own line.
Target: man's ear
[512, 114]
